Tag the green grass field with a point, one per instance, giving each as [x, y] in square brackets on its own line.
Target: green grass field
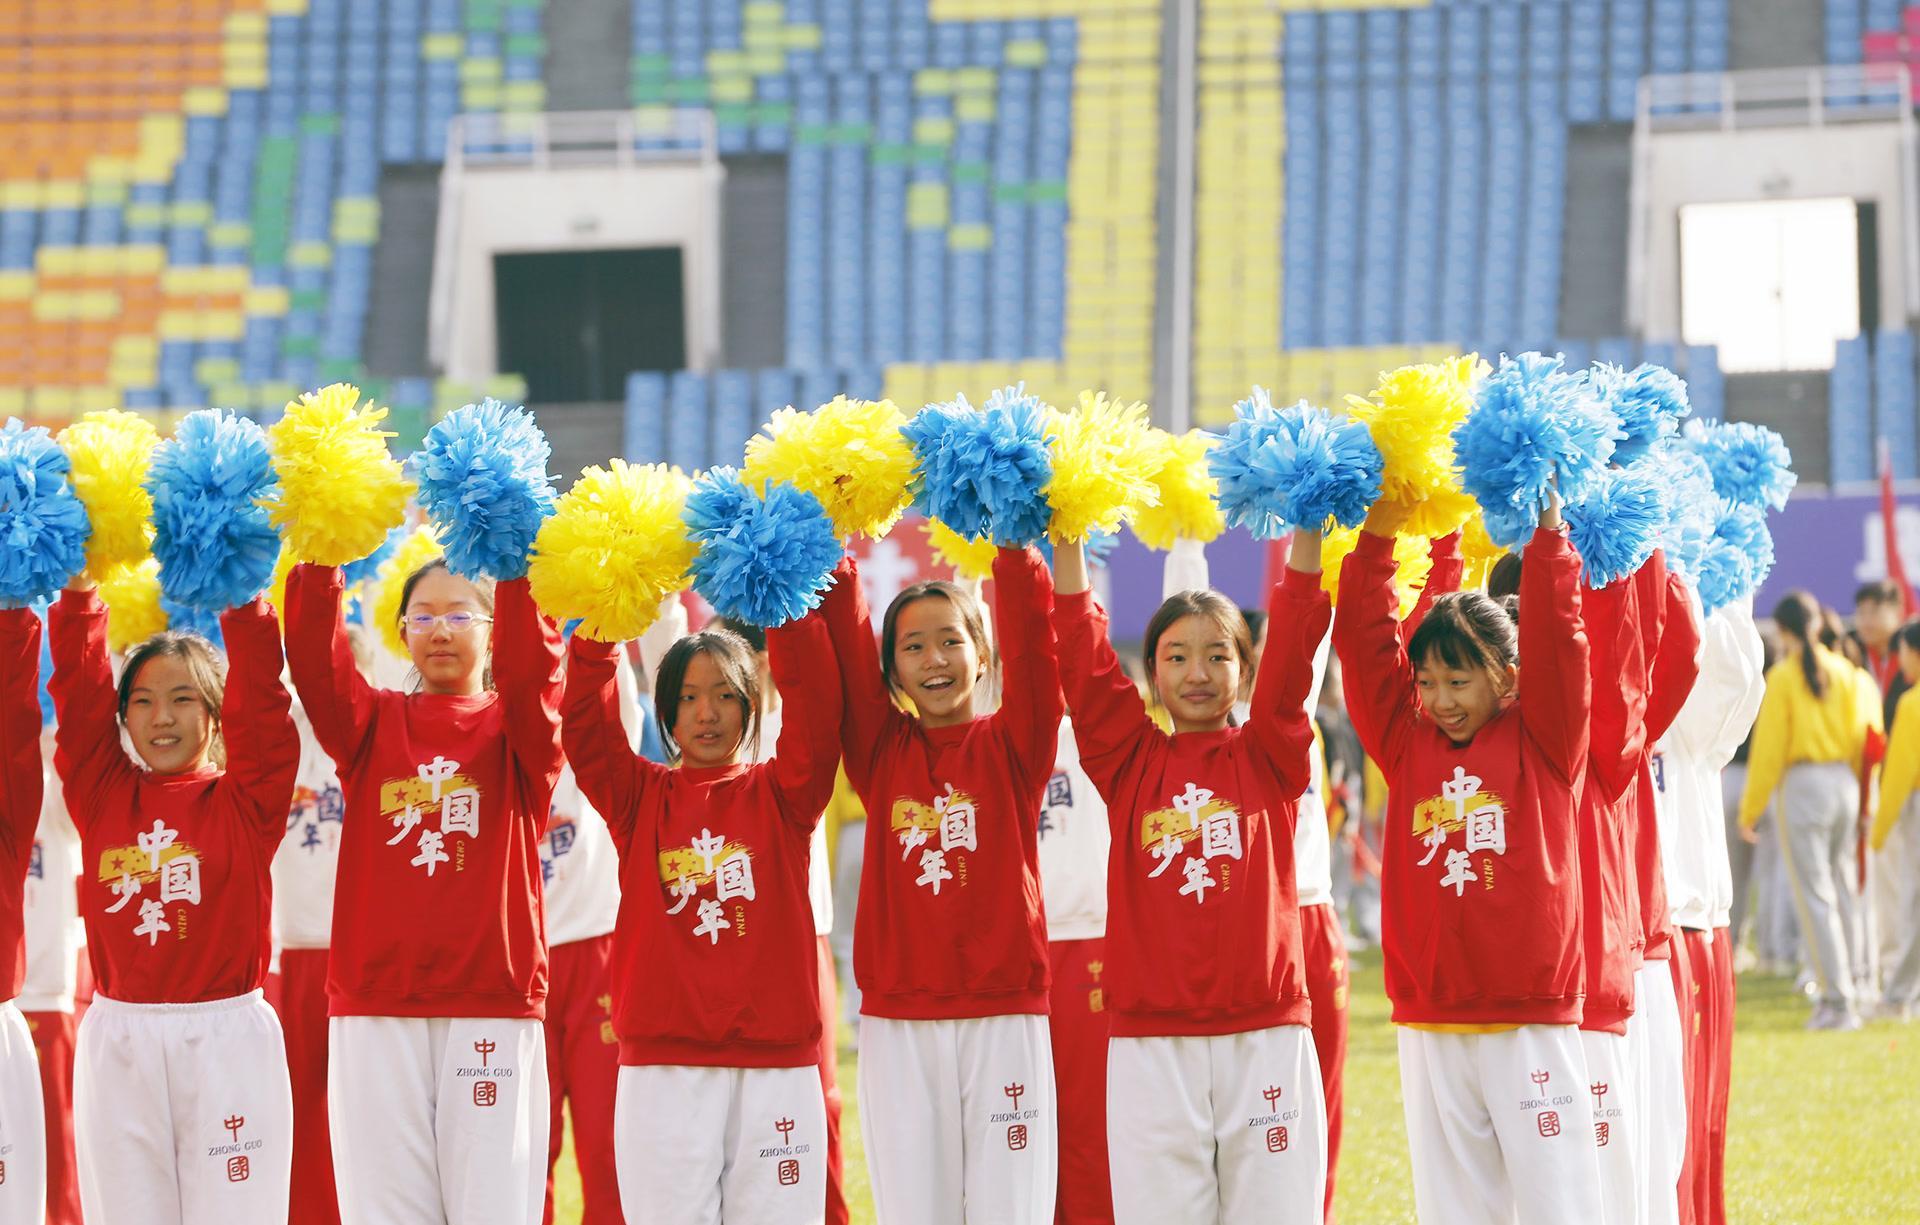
[1821, 1130]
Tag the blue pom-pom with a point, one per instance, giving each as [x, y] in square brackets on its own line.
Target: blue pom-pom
[1300, 465]
[1750, 463]
[1726, 575]
[214, 542]
[356, 572]
[1648, 400]
[1744, 527]
[1617, 525]
[484, 483]
[1530, 422]
[42, 522]
[981, 471]
[1688, 488]
[762, 560]
[183, 619]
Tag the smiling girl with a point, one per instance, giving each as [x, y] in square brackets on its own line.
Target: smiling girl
[182, 1107]
[715, 960]
[1479, 884]
[437, 1073]
[1215, 1110]
[950, 944]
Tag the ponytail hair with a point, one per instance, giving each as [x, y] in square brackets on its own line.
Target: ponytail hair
[1798, 616]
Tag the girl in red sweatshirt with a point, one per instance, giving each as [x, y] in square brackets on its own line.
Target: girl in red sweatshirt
[1480, 884]
[182, 1107]
[1215, 1109]
[437, 979]
[950, 942]
[22, 783]
[719, 1115]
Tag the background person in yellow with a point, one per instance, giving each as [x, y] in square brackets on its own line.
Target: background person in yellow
[1817, 720]
[1896, 839]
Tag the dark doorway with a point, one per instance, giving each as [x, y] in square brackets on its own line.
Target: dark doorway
[576, 323]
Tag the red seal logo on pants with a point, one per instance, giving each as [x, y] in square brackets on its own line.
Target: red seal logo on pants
[237, 1169]
[1276, 1139]
[789, 1173]
[1549, 1122]
[485, 1093]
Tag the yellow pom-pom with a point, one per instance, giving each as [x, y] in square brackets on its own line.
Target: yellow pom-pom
[340, 491]
[1412, 415]
[1479, 553]
[970, 559]
[419, 547]
[1412, 553]
[1186, 507]
[131, 593]
[614, 548]
[850, 454]
[110, 451]
[1103, 457]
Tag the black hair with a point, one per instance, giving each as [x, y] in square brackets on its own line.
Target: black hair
[1466, 630]
[1798, 616]
[753, 635]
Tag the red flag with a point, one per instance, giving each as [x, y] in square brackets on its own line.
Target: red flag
[1896, 565]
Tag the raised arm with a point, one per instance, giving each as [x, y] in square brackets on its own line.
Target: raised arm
[1030, 704]
[1555, 688]
[611, 775]
[1297, 615]
[1449, 567]
[1375, 670]
[337, 699]
[22, 782]
[866, 709]
[527, 649]
[807, 757]
[1110, 720]
[87, 752]
[1713, 712]
[1618, 665]
[263, 743]
[1675, 664]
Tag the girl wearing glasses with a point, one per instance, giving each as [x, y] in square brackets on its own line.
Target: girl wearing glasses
[437, 1081]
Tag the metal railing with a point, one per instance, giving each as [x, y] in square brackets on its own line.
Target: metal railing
[1830, 96]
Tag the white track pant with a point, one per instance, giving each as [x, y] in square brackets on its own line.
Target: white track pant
[1619, 1125]
[1658, 1061]
[960, 1120]
[23, 1123]
[1222, 1129]
[182, 1113]
[438, 1120]
[1500, 1127]
[1817, 805]
[721, 1146]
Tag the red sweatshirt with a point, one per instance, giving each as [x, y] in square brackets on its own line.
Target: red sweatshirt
[1609, 805]
[950, 922]
[1203, 923]
[176, 883]
[714, 954]
[438, 910]
[1480, 876]
[21, 785]
[1672, 638]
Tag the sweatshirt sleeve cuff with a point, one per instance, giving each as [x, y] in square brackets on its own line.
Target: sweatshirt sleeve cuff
[1374, 547]
[1300, 582]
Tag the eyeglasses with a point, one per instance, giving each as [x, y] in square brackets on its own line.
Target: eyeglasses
[421, 624]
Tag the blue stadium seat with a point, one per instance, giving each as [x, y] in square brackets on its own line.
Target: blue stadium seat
[1850, 413]
[1893, 398]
